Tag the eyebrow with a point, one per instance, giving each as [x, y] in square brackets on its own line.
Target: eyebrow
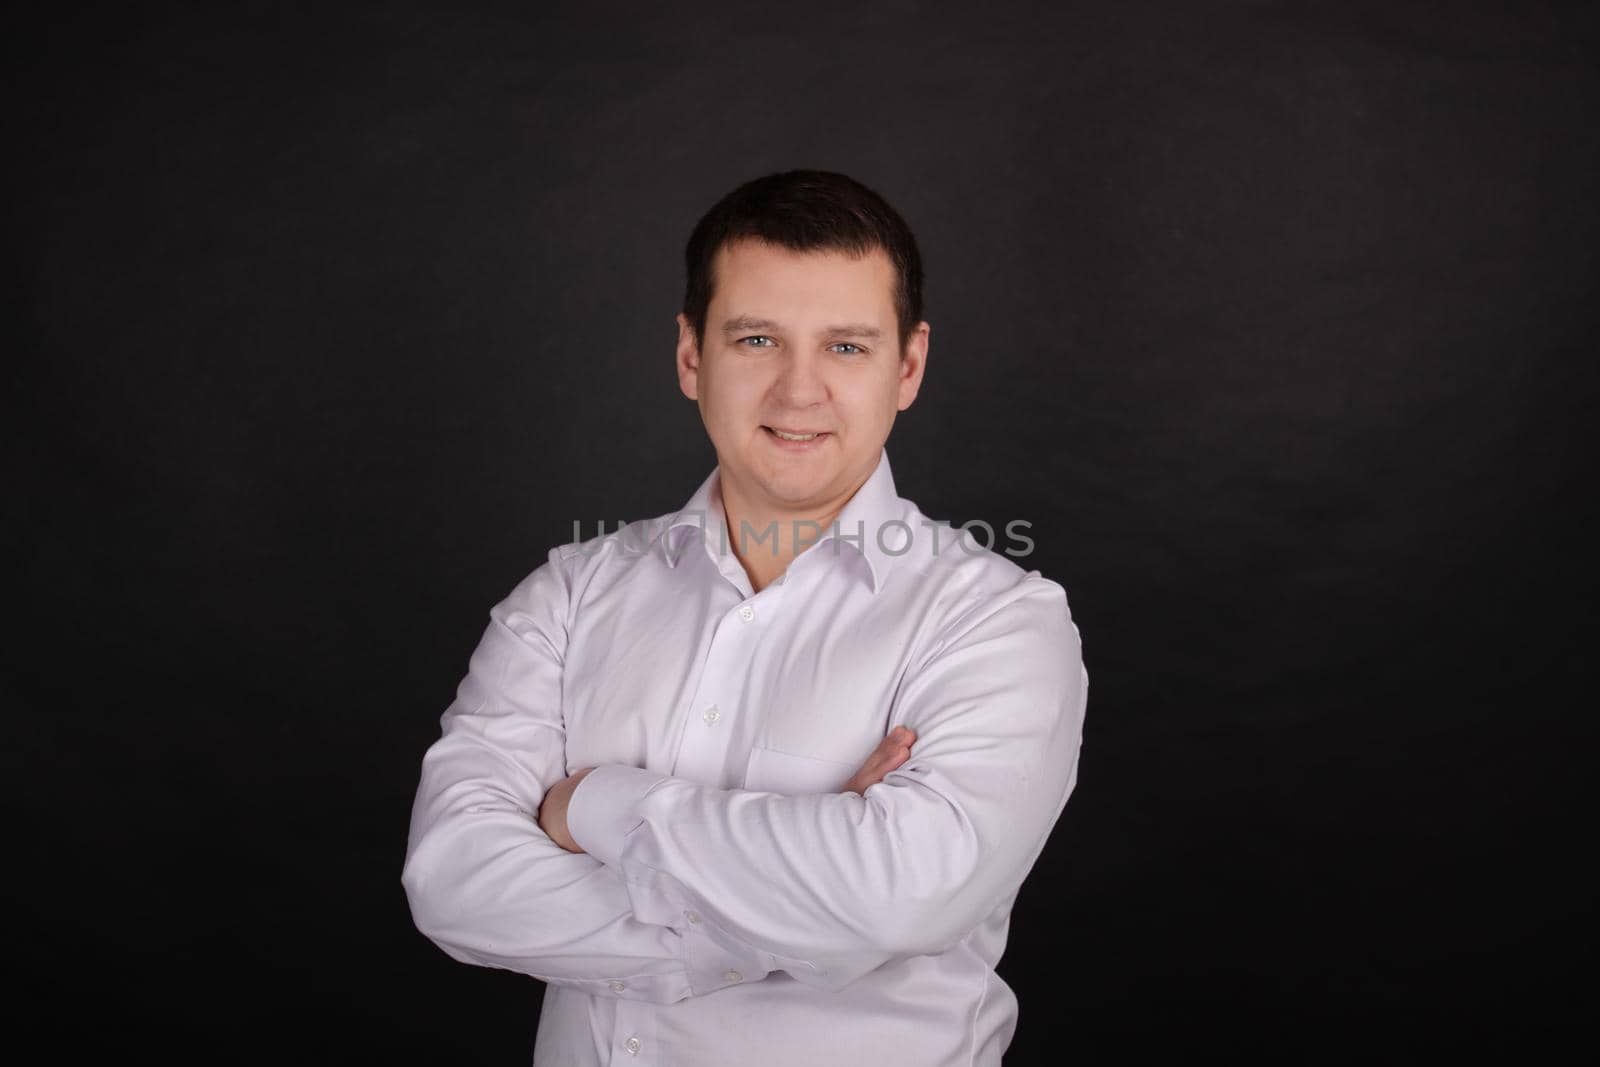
[851, 329]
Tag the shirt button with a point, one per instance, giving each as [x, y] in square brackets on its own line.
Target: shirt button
[711, 715]
[746, 612]
[733, 976]
[692, 916]
[617, 987]
[633, 1045]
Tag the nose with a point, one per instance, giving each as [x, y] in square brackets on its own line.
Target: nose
[800, 383]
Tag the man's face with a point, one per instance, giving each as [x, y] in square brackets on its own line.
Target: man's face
[799, 343]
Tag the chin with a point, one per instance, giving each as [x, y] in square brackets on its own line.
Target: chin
[797, 487]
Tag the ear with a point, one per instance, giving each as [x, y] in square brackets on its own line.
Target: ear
[688, 359]
[913, 361]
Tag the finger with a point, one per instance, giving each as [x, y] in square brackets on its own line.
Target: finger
[894, 745]
[879, 754]
[886, 756]
[871, 776]
[899, 737]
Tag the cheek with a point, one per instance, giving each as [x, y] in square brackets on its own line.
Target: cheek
[732, 398]
[877, 403]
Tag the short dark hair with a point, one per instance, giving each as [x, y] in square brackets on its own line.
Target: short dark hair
[805, 211]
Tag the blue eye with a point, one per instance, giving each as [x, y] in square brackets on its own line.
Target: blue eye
[853, 349]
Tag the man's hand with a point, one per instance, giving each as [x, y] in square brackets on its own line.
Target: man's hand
[553, 810]
[892, 751]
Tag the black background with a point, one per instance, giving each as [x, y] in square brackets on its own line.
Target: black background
[1274, 319]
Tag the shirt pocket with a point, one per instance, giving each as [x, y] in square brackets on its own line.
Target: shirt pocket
[773, 771]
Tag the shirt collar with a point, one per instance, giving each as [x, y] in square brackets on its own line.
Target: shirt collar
[874, 517]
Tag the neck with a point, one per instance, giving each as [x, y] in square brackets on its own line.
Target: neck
[767, 539]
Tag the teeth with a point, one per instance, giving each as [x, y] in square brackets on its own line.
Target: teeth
[793, 436]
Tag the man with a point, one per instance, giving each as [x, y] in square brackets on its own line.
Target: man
[816, 739]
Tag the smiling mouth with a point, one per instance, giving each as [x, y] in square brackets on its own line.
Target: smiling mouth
[785, 435]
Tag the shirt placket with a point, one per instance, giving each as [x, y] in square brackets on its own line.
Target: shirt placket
[715, 739]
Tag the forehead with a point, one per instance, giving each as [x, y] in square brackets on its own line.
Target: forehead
[753, 277]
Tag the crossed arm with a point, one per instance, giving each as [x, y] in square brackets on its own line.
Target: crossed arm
[685, 884]
[891, 752]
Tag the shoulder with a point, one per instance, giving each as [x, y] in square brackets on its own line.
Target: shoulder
[578, 569]
[963, 583]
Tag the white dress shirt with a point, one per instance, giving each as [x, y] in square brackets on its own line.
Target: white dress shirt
[734, 907]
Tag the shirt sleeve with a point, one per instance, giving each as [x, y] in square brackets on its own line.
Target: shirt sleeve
[487, 885]
[836, 885]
